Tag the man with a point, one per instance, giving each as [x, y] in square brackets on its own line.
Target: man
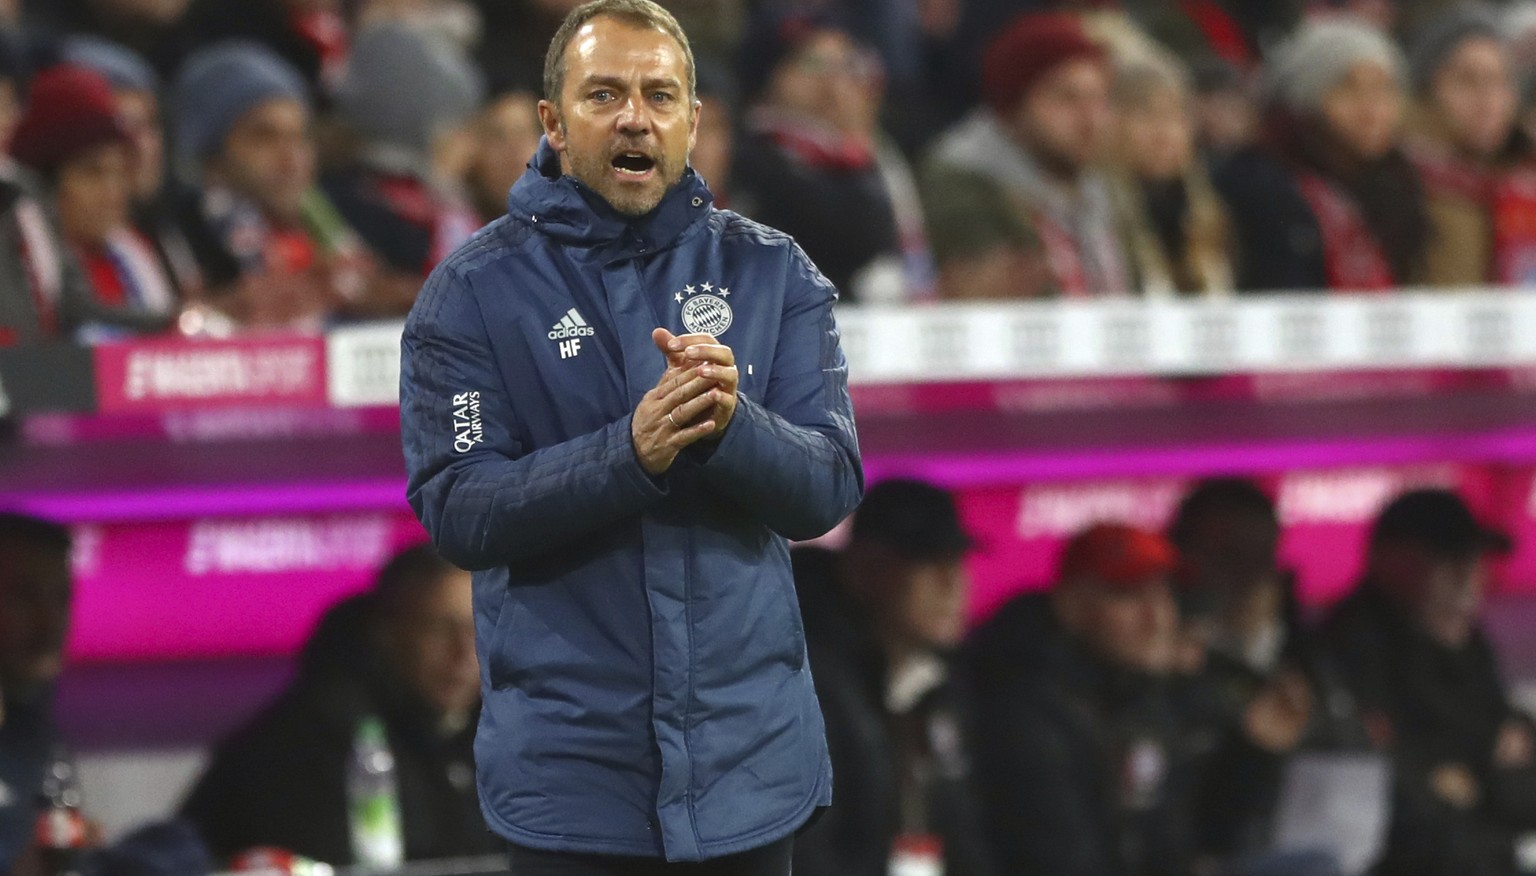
[881, 618]
[1412, 649]
[1075, 731]
[1014, 204]
[663, 404]
[273, 252]
[35, 592]
[403, 654]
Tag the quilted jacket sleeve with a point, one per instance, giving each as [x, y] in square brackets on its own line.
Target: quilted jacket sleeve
[485, 498]
[793, 457]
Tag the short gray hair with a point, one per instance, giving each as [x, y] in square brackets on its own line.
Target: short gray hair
[640, 13]
[1320, 57]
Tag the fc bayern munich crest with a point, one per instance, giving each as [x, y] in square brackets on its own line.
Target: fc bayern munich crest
[706, 309]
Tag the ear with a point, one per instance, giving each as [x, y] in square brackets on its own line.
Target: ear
[549, 117]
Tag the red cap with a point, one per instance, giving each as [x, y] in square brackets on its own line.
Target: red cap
[1117, 554]
[69, 110]
[1033, 45]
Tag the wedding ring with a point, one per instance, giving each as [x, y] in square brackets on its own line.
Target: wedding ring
[672, 421]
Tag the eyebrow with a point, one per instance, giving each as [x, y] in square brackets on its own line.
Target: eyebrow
[618, 82]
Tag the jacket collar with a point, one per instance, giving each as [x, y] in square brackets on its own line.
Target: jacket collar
[567, 210]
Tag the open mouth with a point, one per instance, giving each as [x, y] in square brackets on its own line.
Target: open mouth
[633, 163]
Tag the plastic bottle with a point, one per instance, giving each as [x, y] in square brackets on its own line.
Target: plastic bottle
[61, 829]
[373, 799]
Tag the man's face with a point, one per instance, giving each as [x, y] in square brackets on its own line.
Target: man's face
[928, 610]
[269, 157]
[140, 113]
[1444, 595]
[1134, 626]
[832, 80]
[95, 193]
[1156, 135]
[1474, 95]
[624, 124]
[506, 136]
[34, 615]
[1064, 119]
[434, 645]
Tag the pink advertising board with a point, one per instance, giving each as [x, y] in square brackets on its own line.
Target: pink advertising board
[174, 374]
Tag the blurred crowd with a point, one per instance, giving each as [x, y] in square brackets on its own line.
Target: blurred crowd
[210, 166]
[1162, 708]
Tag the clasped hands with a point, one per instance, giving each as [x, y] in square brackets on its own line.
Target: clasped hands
[693, 401]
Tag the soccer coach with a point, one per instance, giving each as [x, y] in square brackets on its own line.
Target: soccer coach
[618, 402]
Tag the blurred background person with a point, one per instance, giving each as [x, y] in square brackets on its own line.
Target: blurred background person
[1172, 221]
[35, 594]
[1225, 110]
[810, 160]
[136, 89]
[1016, 204]
[1410, 644]
[403, 654]
[1077, 755]
[715, 142]
[882, 618]
[1479, 183]
[272, 250]
[506, 134]
[1330, 202]
[407, 98]
[72, 137]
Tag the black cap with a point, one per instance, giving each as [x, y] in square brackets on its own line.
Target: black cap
[1439, 521]
[913, 518]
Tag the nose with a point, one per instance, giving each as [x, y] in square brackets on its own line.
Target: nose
[633, 117]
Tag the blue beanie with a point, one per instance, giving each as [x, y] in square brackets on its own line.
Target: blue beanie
[118, 64]
[221, 83]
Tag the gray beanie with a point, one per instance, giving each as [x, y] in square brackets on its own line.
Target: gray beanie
[118, 64]
[1320, 57]
[403, 86]
[1435, 42]
[220, 84]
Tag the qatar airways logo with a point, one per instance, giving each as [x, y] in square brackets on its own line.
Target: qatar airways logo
[467, 429]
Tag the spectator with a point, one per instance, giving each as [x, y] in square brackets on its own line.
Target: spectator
[881, 619]
[810, 161]
[271, 249]
[1015, 206]
[1411, 647]
[1264, 690]
[1463, 147]
[405, 95]
[1226, 117]
[403, 654]
[506, 134]
[43, 293]
[1173, 223]
[72, 137]
[1075, 746]
[34, 620]
[1341, 208]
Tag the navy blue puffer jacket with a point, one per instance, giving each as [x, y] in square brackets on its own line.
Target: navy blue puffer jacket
[643, 660]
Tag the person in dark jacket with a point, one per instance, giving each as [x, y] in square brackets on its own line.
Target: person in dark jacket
[402, 653]
[618, 405]
[1410, 646]
[35, 591]
[881, 618]
[1330, 202]
[1076, 735]
[810, 158]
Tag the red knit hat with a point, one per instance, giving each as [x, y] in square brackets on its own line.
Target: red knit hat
[1033, 45]
[69, 110]
[1118, 555]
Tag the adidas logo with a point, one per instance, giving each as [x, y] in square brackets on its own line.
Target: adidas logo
[570, 326]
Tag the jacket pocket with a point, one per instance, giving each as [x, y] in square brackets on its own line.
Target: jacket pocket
[503, 639]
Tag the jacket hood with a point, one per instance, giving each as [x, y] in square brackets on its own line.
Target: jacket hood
[567, 210]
